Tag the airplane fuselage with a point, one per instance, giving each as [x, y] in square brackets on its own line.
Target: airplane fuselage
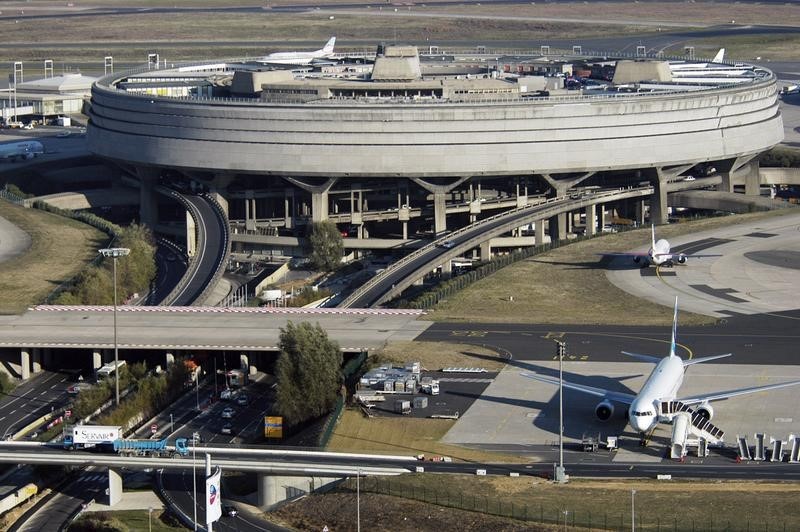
[661, 385]
[659, 254]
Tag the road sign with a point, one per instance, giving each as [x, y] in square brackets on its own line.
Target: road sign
[153, 428]
[67, 413]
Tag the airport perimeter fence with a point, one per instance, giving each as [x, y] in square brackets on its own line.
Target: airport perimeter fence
[562, 517]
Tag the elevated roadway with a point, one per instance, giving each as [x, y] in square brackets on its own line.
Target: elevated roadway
[403, 273]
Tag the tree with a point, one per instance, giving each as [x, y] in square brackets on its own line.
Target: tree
[325, 242]
[308, 372]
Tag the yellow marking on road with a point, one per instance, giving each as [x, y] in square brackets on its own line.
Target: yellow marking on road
[554, 336]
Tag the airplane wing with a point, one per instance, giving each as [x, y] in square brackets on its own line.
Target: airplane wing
[643, 358]
[700, 360]
[620, 397]
[695, 399]
[623, 254]
[687, 255]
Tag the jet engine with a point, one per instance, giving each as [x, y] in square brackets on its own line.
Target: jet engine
[637, 259]
[681, 259]
[604, 410]
[705, 410]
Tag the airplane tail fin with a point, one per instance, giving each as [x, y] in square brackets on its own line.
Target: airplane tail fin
[720, 57]
[328, 48]
[652, 236]
[674, 328]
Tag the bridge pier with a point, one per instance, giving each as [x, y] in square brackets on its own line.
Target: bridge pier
[249, 211]
[25, 363]
[273, 489]
[447, 269]
[36, 366]
[752, 179]
[658, 201]
[148, 199]
[486, 251]
[319, 196]
[591, 228]
[539, 232]
[97, 359]
[114, 491]
[439, 200]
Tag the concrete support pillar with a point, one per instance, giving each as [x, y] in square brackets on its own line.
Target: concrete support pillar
[639, 211]
[591, 228]
[447, 269]
[752, 179]
[539, 232]
[288, 208]
[727, 182]
[249, 211]
[440, 200]
[601, 216]
[169, 359]
[114, 491]
[25, 363]
[319, 196]
[439, 212]
[148, 199]
[36, 366]
[405, 230]
[244, 362]
[97, 360]
[268, 494]
[486, 251]
[558, 227]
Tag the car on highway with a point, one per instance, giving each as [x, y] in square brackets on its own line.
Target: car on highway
[242, 400]
[63, 134]
[228, 413]
[447, 244]
[227, 428]
[75, 389]
[229, 511]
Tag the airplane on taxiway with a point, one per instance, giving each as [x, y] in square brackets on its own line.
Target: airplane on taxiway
[657, 400]
[300, 58]
[659, 253]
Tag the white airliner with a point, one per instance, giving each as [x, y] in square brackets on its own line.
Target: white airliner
[14, 151]
[657, 400]
[300, 58]
[659, 253]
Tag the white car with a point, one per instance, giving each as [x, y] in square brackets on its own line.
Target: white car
[689, 178]
[447, 244]
[228, 413]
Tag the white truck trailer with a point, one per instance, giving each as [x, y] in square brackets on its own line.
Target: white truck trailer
[88, 436]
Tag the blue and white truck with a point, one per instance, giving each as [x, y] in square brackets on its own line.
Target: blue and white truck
[109, 439]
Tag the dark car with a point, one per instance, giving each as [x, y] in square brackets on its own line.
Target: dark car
[227, 428]
[229, 511]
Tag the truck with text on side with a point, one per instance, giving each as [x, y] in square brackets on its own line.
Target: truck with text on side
[109, 439]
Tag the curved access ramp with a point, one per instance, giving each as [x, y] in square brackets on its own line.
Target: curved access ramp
[213, 246]
[403, 273]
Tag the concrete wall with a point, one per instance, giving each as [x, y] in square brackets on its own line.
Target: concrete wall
[437, 139]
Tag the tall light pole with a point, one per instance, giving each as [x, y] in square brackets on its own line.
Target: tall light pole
[560, 474]
[633, 511]
[115, 253]
[358, 500]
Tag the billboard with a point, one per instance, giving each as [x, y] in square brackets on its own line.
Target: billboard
[273, 427]
[213, 497]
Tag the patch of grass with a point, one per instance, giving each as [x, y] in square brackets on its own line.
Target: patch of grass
[60, 248]
[605, 504]
[126, 520]
[402, 435]
[437, 355]
[569, 285]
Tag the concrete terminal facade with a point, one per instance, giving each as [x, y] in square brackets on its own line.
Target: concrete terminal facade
[391, 164]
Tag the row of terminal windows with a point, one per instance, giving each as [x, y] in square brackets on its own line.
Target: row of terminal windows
[290, 91]
[483, 91]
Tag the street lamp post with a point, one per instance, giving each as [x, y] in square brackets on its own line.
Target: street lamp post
[115, 253]
[358, 500]
[560, 473]
[633, 511]
[194, 479]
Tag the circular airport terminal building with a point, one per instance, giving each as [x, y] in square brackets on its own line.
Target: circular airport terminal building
[399, 146]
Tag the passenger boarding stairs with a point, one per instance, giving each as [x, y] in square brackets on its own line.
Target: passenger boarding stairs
[689, 428]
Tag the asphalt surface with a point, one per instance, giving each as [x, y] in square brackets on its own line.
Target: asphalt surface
[41, 394]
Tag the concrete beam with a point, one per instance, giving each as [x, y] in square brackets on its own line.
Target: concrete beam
[560, 186]
[658, 201]
[319, 195]
[97, 360]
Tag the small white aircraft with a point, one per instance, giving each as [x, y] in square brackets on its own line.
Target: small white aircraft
[300, 58]
[659, 253]
[656, 401]
[17, 151]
